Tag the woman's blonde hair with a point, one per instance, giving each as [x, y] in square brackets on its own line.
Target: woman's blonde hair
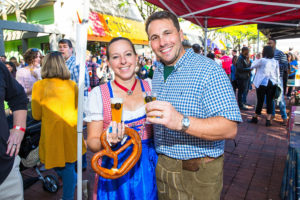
[54, 66]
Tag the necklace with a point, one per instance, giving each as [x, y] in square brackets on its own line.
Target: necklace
[129, 92]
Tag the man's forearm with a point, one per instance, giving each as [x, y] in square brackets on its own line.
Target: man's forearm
[215, 128]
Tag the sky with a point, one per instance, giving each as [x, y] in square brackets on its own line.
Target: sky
[284, 45]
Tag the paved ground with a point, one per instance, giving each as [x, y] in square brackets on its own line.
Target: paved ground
[253, 168]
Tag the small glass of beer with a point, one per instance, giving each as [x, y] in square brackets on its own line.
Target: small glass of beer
[116, 109]
[148, 97]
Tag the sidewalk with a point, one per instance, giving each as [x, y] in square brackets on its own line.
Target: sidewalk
[253, 168]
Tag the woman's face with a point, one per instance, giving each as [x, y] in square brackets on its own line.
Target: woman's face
[122, 59]
[9, 68]
[37, 60]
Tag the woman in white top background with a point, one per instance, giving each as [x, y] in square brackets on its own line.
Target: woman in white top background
[267, 76]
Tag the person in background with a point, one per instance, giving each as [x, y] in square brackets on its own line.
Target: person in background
[28, 75]
[14, 60]
[226, 62]
[293, 62]
[232, 75]
[218, 57]
[233, 53]
[196, 48]
[194, 113]
[242, 75]
[92, 66]
[54, 102]
[283, 66]
[267, 76]
[211, 55]
[66, 48]
[11, 68]
[3, 58]
[11, 183]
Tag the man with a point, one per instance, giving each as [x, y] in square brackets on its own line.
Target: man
[226, 62]
[194, 112]
[66, 48]
[242, 75]
[92, 65]
[196, 48]
[283, 67]
[11, 184]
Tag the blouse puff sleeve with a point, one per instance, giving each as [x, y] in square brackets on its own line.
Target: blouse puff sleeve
[94, 108]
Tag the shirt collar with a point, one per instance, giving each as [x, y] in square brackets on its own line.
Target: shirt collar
[188, 53]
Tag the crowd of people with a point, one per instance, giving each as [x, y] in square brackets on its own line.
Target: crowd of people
[183, 132]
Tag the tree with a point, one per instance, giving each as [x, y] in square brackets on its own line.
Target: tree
[145, 8]
[237, 35]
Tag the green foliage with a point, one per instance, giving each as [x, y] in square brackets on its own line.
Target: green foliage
[238, 34]
[145, 8]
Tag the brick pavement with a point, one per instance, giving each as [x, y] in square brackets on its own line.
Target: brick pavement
[253, 168]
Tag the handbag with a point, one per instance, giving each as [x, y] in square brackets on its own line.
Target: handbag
[277, 91]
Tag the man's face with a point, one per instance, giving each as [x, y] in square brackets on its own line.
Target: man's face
[246, 53]
[165, 41]
[65, 50]
[272, 44]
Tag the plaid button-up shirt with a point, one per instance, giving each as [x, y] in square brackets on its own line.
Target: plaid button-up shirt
[92, 70]
[199, 88]
[74, 70]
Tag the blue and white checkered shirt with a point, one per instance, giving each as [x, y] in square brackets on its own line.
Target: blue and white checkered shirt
[74, 70]
[199, 88]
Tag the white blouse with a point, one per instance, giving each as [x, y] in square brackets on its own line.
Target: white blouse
[266, 68]
[94, 108]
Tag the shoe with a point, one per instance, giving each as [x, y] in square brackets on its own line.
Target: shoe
[243, 107]
[268, 123]
[284, 122]
[253, 120]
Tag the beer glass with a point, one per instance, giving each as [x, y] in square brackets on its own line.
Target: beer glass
[148, 97]
[116, 109]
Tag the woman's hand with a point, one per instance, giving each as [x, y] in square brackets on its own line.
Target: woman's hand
[115, 132]
[14, 142]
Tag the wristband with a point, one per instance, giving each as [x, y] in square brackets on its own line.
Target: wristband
[19, 128]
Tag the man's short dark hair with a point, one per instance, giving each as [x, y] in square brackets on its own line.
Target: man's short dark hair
[66, 41]
[234, 50]
[4, 56]
[196, 48]
[273, 39]
[245, 49]
[268, 52]
[162, 15]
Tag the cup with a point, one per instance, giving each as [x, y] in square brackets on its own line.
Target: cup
[116, 109]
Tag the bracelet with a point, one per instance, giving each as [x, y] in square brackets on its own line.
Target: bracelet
[19, 128]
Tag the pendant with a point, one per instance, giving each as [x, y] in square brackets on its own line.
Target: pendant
[129, 92]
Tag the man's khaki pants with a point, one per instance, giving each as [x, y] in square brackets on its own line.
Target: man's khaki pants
[12, 187]
[175, 183]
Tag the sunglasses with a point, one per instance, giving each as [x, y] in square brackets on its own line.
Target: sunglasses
[35, 50]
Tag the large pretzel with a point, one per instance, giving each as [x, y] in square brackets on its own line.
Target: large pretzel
[114, 172]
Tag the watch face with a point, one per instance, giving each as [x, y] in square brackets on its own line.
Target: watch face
[186, 121]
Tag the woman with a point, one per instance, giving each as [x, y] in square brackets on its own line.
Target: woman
[54, 102]
[267, 76]
[140, 181]
[293, 62]
[28, 75]
[11, 68]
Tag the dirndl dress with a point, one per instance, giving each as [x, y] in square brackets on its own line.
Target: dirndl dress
[140, 182]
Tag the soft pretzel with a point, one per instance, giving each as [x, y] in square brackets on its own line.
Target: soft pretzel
[114, 172]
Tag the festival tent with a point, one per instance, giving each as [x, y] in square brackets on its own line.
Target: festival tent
[224, 13]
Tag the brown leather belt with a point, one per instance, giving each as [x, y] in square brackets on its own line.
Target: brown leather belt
[193, 164]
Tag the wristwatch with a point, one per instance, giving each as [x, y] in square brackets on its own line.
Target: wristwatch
[185, 122]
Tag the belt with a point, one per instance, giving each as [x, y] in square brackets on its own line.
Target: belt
[193, 164]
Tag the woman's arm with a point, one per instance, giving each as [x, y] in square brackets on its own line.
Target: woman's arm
[94, 129]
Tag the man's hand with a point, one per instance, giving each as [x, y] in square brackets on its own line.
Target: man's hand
[14, 142]
[162, 112]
